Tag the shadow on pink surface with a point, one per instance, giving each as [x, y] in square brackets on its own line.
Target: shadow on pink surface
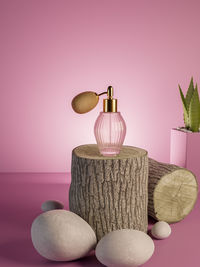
[20, 252]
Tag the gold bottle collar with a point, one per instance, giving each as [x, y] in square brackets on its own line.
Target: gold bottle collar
[110, 105]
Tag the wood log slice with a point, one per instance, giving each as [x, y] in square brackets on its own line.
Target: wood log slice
[110, 193]
[172, 192]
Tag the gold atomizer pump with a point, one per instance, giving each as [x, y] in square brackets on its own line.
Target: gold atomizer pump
[110, 103]
[86, 101]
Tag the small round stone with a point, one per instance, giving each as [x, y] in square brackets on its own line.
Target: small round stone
[126, 247]
[161, 230]
[51, 205]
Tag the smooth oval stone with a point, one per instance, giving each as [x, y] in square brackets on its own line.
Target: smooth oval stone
[61, 235]
[125, 247]
[161, 230]
[51, 205]
[84, 102]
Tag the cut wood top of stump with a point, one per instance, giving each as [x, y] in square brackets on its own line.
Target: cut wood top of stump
[91, 151]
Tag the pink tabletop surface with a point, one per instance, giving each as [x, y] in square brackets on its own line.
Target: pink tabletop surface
[21, 196]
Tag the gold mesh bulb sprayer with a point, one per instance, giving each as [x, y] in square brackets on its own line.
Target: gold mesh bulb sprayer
[86, 101]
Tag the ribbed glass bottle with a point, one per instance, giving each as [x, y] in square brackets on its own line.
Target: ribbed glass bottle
[110, 131]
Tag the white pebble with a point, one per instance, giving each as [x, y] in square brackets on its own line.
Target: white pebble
[125, 247]
[161, 230]
[51, 205]
[62, 235]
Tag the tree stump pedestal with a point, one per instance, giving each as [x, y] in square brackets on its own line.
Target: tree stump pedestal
[110, 193]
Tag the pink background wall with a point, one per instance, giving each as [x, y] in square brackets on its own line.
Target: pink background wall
[50, 50]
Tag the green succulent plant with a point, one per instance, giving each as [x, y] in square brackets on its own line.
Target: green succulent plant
[191, 107]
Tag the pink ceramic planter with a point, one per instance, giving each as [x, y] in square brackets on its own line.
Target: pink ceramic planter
[185, 150]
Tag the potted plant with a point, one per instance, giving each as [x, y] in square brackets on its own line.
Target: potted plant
[185, 141]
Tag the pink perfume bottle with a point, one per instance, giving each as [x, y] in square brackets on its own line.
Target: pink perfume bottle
[110, 127]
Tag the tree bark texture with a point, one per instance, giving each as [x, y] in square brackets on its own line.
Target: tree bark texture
[172, 191]
[110, 193]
